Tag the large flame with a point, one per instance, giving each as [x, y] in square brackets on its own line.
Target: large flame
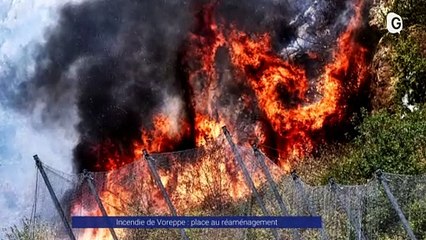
[279, 88]
[268, 75]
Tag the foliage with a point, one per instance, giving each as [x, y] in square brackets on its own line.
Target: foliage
[412, 11]
[417, 217]
[29, 230]
[392, 142]
[411, 66]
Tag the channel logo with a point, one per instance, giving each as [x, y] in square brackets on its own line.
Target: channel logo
[394, 23]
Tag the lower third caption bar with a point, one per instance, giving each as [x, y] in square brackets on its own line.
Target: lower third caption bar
[197, 222]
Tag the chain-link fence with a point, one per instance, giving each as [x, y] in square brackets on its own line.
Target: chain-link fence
[209, 182]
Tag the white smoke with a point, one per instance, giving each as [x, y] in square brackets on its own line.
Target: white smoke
[312, 29]
[23, 24]
[173, 110]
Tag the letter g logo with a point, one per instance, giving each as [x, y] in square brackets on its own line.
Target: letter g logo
[394, 22]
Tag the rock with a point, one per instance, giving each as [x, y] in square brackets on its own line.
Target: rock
[385, 78]
[378, 12]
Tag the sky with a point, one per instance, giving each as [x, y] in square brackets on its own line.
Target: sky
[23, 28]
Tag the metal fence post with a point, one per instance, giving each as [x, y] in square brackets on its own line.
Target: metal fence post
[334, 187]
[54, 198]
[89, 178]
[160, 185]
[395, 205]
[260, 157]
[247, 177]
[299, 186]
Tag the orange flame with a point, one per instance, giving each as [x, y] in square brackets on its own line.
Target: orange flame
[266, 74]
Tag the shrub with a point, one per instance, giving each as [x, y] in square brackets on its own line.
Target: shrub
[29, 230]
[392, 142]
[410, 62]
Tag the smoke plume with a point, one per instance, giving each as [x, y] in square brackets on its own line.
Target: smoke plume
[122, 62]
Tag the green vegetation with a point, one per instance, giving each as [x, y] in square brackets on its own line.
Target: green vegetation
[30, 231]
[417, 217]
[410, 62]
[412, 11]
[394, 139]
[392, 142]
[391, 139]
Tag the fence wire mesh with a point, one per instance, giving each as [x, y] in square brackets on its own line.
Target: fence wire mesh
[209, 182]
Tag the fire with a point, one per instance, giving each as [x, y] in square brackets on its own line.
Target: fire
[281, 87]
[207, 129]
[165, 135]
[280, 93]
[209, 182]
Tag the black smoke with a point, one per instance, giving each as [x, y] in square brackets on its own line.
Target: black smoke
[116, 60]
